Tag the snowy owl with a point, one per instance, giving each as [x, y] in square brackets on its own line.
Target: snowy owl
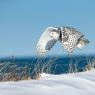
[69, 37]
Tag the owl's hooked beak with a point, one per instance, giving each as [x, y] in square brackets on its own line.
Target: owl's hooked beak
[82, 42]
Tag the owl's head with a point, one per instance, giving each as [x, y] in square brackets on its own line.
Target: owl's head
[54, 32]
[82, 42]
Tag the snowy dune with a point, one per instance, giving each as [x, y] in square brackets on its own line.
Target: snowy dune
[65, 84]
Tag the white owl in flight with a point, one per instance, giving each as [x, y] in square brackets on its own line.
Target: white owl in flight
[69, 37]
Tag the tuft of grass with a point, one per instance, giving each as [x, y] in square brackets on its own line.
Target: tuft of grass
[9, 71]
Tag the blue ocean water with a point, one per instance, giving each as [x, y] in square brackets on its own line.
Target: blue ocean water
[51, 64]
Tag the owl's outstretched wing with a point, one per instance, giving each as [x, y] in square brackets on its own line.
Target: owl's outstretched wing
[46, 42]
[70, 37]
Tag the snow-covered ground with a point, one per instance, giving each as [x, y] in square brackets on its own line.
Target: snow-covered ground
[65, 84]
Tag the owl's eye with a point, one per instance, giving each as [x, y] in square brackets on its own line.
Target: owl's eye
[52, 32]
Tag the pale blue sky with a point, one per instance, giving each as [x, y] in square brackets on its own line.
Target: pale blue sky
[23, 21]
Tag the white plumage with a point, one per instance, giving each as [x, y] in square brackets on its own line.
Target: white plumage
[69, 37]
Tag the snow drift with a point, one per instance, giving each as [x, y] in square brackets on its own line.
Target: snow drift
[65, 84]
